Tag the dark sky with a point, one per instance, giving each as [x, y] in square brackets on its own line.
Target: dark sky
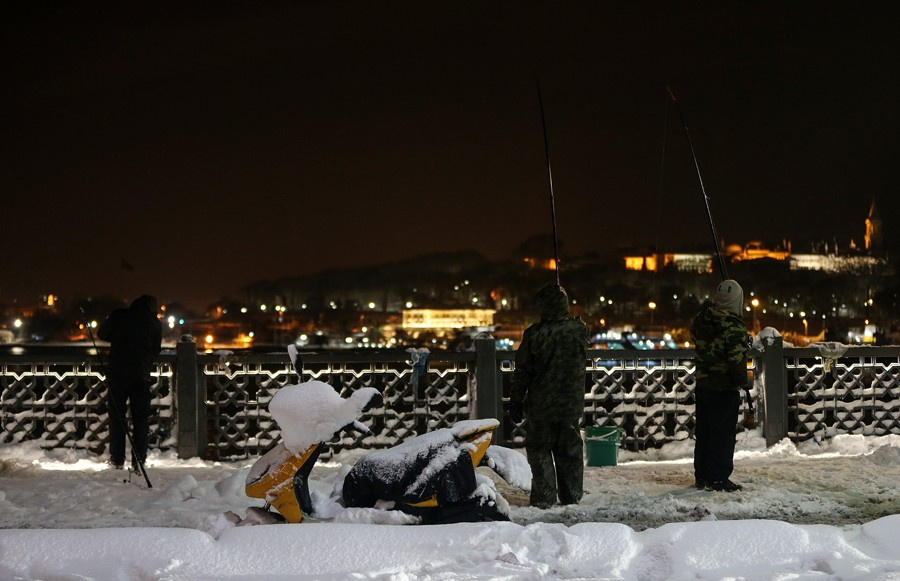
[212, 146]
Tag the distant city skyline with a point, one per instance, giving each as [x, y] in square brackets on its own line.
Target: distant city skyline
[185, 150]
[805, 259]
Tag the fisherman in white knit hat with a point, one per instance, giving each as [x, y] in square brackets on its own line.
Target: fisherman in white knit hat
[721, 340]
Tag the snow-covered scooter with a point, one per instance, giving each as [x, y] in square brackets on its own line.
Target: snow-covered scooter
[431, 476]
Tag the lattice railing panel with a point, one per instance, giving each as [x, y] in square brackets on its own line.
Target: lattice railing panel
[63, 404]
[649, 396]
[60, 401]
[859, 394]
[238, 394]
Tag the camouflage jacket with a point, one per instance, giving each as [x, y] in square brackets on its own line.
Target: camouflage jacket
[721, 343]
[550, 363]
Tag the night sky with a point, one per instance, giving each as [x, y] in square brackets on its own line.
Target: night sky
[187, 149]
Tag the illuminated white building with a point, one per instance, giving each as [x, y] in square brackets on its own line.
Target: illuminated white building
[442, 320]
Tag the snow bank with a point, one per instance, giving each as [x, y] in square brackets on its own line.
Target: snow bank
[743, 549]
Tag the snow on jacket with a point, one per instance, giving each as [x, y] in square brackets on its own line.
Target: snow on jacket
[550, 362]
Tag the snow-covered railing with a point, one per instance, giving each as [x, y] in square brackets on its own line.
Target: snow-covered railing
[216, 405]
[417, 398]
[647, 393]
[855, 391]
[59, 401]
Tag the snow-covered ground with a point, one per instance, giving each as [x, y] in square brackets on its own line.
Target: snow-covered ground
[829, 511]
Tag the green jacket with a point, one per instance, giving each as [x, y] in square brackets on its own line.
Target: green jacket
[550, 363]
[721, 341]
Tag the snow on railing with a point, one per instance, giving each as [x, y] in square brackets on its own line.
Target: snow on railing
[59, 400]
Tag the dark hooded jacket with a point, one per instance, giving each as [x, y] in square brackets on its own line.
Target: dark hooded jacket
[550, 363]
[135, 337]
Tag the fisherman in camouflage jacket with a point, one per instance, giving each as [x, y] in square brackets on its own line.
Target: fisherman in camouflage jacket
[548, 388]
[721, 340]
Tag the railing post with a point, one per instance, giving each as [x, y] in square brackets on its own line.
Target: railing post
[774, 379]
[487, 396]
[191, 401]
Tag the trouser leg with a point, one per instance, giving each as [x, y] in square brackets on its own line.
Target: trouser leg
[117, 399]
[538, 446]
[568, 454]
[702, 434]
[721, 446]
[140, 412]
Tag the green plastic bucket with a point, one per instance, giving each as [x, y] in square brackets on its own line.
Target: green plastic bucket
[602, 445]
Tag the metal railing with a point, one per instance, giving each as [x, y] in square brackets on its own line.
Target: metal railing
[59, 401]
[214, 407]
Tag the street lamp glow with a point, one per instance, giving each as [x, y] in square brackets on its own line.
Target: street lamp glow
[17, 323]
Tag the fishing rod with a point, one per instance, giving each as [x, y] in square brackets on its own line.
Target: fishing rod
[137, 460]
[750, 415]
[549, 180]
[712, 224]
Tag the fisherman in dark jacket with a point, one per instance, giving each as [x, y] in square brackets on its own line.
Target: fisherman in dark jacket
[135, 337]
[721, 340]
[548, 393]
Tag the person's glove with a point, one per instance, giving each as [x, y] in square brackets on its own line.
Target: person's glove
[516, 414]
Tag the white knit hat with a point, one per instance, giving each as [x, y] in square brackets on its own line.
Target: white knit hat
[729, 297]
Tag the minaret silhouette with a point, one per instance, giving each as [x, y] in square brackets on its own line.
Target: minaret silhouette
[873, 230]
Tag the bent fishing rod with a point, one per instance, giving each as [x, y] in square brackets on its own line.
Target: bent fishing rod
[709, 215]
[549, 180]
[137, 460]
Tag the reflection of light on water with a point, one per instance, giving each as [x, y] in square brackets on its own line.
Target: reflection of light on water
[17, 350]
